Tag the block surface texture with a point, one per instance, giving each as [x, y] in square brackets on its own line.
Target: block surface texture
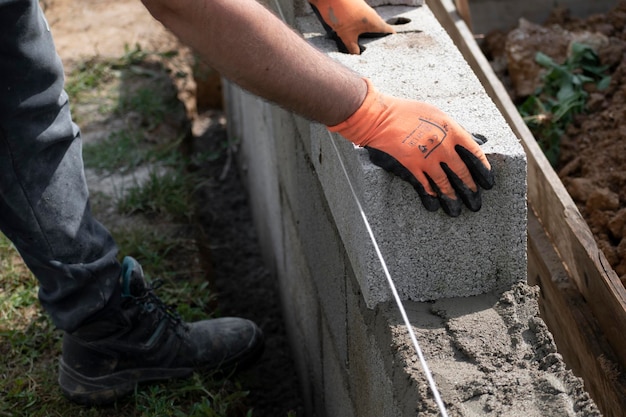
[429, 255]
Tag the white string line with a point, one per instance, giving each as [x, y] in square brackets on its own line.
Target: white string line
[392, 286]
[280, 10]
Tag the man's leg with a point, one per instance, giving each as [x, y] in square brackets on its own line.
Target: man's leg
[118, 332]
[44, 207]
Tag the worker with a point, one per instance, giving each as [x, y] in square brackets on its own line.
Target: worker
[117, 332]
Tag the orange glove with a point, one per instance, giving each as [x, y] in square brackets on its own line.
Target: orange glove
[424, 146]
[346, 20]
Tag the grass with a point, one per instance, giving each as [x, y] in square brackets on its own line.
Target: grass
[158, 212]
[562, 96]
[30, 346]
[166, 192]
[119, 151]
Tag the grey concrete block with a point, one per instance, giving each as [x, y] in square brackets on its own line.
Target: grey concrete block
[303, 198]
[371, 385]
[429, 255]
[337, 399]
[303, 127]
[302, 316]
[261, 173]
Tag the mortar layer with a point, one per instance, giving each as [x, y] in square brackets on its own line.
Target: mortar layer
[489, 355]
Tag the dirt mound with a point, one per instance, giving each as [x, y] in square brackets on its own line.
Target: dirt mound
[592, 159]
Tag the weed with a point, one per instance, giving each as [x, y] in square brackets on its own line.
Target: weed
[120, 150]
[562, 96]
[87, 76]
[95, 84]
[200, 396]
[150, 107]
[166, 192]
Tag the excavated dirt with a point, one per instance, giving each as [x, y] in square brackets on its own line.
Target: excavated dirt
[592, 162]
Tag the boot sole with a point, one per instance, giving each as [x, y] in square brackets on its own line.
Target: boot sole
[106, 389]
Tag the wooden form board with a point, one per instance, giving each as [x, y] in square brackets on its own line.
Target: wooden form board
[586, 265]
[580, 340]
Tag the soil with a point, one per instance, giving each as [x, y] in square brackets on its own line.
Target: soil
[229, 254]
[245, 287]
[592, 162]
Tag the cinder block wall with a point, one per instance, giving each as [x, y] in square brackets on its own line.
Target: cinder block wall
[315, 241]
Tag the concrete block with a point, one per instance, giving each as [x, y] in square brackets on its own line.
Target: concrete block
[303, 197]
[371, 384]
[302, 316]
[336, 383]
[303, 127]
[326, 261]
[429, 255]
[260, 174]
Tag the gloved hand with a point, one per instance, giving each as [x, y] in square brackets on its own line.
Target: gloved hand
[346, 20]
[424, 146]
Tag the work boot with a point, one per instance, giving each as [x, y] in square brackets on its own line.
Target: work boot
[143, 340]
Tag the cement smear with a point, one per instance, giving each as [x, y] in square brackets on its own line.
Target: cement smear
[489, 355]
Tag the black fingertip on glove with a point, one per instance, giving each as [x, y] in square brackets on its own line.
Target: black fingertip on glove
[472, 199]
[482, 175]
[391, 164]
[479, 139]
[451, 206]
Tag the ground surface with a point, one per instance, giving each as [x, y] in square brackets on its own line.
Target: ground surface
[592, 164]
[230, 252]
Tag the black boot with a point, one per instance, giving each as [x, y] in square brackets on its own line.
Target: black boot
[145, 340]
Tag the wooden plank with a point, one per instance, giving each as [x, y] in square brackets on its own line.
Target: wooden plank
[576, 333]
[585, 262]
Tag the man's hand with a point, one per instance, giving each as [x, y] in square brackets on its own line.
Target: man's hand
[424, 146]
[346, 20]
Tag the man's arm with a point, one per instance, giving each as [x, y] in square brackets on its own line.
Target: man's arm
[249, 45]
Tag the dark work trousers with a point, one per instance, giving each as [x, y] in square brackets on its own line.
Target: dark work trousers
[44, 202]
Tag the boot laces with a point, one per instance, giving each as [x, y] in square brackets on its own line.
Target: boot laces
[150, 302]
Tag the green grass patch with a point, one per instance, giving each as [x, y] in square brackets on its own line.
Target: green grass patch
[149, 105]
[95, 72]
[166, 192]
[119, 151]
[98, 87]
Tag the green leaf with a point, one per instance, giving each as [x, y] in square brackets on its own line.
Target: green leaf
[562, 95]
[544, 60]
[604, 83]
